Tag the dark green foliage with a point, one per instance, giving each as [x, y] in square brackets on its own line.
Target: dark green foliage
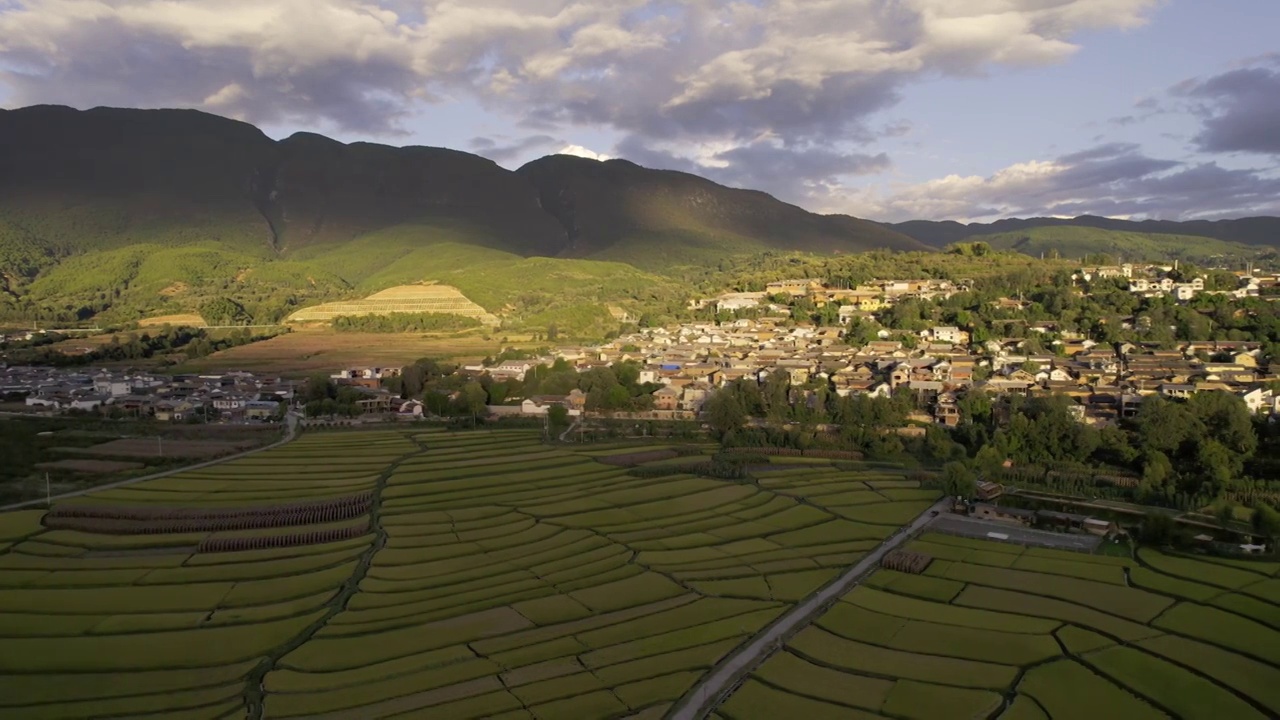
[404, 322]
[224, 311]
[176, 344]
[958, 480]
[558, 416]
[1104, 247]
[1158, 529]
[723, 412]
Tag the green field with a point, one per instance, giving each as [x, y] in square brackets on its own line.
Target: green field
[995, 630]
[497, 575]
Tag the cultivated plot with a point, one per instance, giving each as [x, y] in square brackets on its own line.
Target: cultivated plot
[991, 629]
[385, 574]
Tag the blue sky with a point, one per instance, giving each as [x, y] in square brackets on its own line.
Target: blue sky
[889, 109]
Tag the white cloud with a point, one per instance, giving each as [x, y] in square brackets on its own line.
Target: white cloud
[580, 151]
[775, 92]
[709, 70]
[1114, 180]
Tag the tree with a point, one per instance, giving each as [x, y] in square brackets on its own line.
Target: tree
[723, 412]
[1157, 528]
[1217, 465]
[1163, 425]
[1225, 513]
[471, 399]
[558, 416]
[1226, 419]
[939, 446]
[224, 311]
[1265, 521]
[319, 387]
[958, 480]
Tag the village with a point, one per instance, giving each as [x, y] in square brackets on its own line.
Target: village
[686, 362]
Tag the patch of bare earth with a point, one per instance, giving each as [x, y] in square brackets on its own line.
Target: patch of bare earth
[90, 466]
[151, 447]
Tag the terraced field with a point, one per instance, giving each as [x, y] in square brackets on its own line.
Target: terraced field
[403, 574]
[443, 299]
[992, 630]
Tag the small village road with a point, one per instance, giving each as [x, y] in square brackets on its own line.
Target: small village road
[291, 432]
[712, 689]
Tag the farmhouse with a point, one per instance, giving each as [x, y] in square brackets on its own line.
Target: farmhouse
[1013, 516]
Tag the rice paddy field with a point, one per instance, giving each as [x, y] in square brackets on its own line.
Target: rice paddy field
[992, 630]
[409, 574]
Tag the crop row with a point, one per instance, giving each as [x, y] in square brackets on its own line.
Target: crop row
[949, 643]
[166, 526]
[139, 513]
[796, 452]
[239, 544]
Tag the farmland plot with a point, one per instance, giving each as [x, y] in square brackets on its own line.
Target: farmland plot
[995, 629]
[411, 573]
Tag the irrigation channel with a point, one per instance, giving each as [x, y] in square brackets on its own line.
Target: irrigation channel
[715, 687]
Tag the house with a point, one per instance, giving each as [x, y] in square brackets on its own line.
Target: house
[946, 411]
[1012, 516]
[988, 491]
[175, 410]
[1171, 390]
[950, 335]
[1257, 400]
[261, 410]
[739, 301]
[667, 398]
[510, 370]
[794, 288]
[1097, 526]
[693, 396]
[1061, 521]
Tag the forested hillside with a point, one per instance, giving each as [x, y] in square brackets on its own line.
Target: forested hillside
[115, 215]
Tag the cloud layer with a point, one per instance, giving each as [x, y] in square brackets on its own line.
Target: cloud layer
[1114, 180]
[780, 95]
[1240, 108]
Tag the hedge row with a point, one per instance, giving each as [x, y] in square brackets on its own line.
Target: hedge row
[238, 544]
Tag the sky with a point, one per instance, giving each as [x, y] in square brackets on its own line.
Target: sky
[887, 109]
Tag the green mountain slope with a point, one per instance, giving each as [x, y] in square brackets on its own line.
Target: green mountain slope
[119, 214]
[1261, 231]
[618, 210]
[1077, 242]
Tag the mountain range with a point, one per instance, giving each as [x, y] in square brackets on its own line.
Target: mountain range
[116, 214]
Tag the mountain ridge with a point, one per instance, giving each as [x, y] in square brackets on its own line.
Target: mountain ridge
[1257, 230]
[119, 214]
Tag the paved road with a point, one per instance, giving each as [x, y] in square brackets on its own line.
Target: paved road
[983, 529]
[711, 690]
[291, 431]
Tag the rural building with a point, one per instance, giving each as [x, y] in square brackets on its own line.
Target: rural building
[1013, 516]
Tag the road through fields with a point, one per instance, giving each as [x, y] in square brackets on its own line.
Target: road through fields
[714, 688]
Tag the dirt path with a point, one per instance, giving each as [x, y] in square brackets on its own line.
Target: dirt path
[715, 687]
[291, 432]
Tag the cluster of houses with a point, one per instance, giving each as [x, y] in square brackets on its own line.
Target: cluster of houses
[217, 397]
[1106, 382]
[863, 298]
[1157, 280]
[1145, 280]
